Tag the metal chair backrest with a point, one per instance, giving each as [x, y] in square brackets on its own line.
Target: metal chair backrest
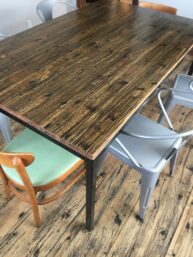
[169, 136]
[177, 145]
[45, 9]
[2, 36]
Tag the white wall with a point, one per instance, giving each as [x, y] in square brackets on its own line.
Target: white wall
[14, 14]
[185, 7]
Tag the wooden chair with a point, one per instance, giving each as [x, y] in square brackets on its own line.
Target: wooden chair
[158, 7]
[25, 174]
[153, 6]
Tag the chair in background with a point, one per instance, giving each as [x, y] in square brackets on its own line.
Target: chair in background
[147, 146]
[51, 166]
[153, 6]
[181, 95]
[45, 8]
[2, 36]
[158, 7]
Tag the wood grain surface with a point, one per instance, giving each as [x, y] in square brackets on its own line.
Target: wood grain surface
[166, 232]
[79, 78]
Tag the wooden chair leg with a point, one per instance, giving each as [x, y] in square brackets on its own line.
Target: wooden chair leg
[35, 208]
[36, 215]
[5, 184]
[30, 199]
[18, 164]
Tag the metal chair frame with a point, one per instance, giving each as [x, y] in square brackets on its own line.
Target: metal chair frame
[45, 9]
[151, 174]
[3, 36]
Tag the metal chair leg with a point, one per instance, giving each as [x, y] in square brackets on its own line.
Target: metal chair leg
[148, 182]
[190, 72]
[5, 128]
[173, 164]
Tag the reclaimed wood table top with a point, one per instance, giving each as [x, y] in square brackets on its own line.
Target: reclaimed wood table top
[79, 78]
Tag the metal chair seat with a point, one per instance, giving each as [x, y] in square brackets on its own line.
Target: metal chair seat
[149, 153]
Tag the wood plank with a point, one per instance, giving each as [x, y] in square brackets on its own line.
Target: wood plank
[182, 242]
[153, 237]
[57, 220]
[79, 78]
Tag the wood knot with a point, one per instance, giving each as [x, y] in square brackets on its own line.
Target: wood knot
[123, 82]
[163, 232]
[191, 168]
[118, 220]
[48, 94]
[36, 253]
[188, 226]
[78, 101]
[92, 108]
[112, 117]
[21, 215]
[66, 215]
[180, 196]
[32, 84]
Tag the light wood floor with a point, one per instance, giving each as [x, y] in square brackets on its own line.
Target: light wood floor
[167, 230]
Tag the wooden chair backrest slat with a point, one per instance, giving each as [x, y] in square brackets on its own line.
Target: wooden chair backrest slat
[7, 159]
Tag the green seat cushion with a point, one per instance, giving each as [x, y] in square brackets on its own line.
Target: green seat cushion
[51, 161]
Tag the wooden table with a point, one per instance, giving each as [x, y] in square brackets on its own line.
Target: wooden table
[78, 79]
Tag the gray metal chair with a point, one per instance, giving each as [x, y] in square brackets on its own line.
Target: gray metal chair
[147, 146]
[190, 72]
[2, 36]
[5, 128]
[184, 83]
[45, 9]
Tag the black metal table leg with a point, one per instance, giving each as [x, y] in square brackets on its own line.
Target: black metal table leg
[92, 168]
[90, 193]
[190, 72]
